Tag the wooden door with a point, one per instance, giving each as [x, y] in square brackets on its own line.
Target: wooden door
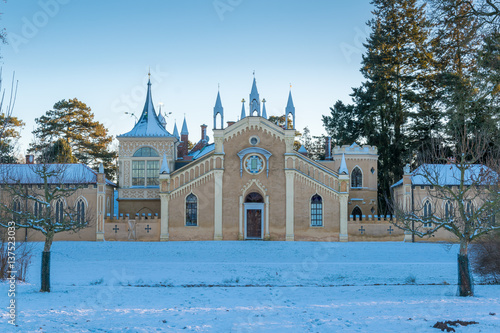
[254, 223]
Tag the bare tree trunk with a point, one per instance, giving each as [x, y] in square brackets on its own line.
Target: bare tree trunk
[464, 273]
[45, 273]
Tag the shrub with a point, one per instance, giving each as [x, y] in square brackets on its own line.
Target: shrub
[486, 257]
[23, 253]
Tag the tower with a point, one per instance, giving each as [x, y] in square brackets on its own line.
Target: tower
[254, 102]
[218, 109]
[182, 149]
[290, 109]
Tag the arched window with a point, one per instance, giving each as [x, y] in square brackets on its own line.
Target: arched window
[191, 210]
[357, 213]
[427, 214]
[469, 208]
[448, 210]
[316, 211]
[16, 210]
[146, 152]
[254, 197]
[356, 178]
[80, 211]
[59, 211]
[38, 210]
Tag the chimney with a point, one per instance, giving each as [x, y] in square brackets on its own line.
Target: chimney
[328, 148]
[30, 159]
[203, 132]
[229, 123]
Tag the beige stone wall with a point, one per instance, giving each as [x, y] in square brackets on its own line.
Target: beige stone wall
[331, 215]
[89, 193]
[178, 231]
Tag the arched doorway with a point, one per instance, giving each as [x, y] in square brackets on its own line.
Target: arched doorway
[254, 216]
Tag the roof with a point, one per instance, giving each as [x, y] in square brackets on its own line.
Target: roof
[202, 152]
[302, 149]
[148, 124]
[289, 104]
[176, 132]
[343, 166]
[69, 174]
[218, 105]
[184, 130]
[449, 174]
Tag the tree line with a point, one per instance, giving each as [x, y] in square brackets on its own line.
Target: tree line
[431, 70]
[68, 133]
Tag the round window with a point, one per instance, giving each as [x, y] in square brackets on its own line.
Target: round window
[254, 140]
[254, 164]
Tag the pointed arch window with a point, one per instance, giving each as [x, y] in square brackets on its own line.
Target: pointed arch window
[469, 208]
[356, 178]
[191, 210]
[80, 211]
[448, 210]
[38, 210]
[316, 211]
[357, 213]
[427, 214]
[16, 210]
[59, 211]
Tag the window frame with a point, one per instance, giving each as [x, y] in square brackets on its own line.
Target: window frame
[189, 208]
[59, 210]
[80, 212]
[427, 213]
[360, 178]
[314, 209]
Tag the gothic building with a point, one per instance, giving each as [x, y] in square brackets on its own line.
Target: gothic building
[249, 183]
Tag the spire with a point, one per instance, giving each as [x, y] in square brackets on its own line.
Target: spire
[164, 165]
[343, 166]
[184, 130]
[162, 119]
[176, 132]
[254, 99]
[243, 115]
[290, 109]
[148, 123]
[218, 109]
[264, 113]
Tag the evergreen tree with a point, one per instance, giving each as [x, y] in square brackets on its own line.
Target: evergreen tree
[10, 133]
[73, 121]
[396, 57]
[342, 124]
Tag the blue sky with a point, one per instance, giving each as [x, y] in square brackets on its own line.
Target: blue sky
[100, 53]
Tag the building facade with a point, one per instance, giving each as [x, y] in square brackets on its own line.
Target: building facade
[249, 183]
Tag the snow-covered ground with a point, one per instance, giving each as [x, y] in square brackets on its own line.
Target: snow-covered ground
[249, 287]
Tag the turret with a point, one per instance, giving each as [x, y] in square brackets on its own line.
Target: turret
[218, 109]
[290, 109]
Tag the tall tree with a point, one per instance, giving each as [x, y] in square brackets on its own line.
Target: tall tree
[342, 124]
[73, 121]
[9, 125]
[396, 56]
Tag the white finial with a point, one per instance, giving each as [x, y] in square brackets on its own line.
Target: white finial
[101, 168]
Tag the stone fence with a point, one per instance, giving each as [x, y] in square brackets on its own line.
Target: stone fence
[138, 228]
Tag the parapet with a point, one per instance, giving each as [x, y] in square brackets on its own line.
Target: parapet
[355, 149]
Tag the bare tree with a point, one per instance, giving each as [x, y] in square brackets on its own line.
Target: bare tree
[7, 106]
[38, 197]
[463, 190]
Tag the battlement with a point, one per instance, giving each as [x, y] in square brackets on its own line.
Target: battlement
[126, 217]
[355, 149]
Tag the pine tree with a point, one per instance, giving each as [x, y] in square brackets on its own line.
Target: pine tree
[397, 55]
[73, 122]
[342, 124]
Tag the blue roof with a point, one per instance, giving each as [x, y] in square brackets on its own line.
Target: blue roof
[449, 174]
[289, 104]
[203, 151]
[176, 132]
[64, 174]
[218, 105]
[148, 124]
[184, 130]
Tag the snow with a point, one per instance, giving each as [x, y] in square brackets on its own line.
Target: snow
[449, 174]
[76, 173]
[249, 287]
